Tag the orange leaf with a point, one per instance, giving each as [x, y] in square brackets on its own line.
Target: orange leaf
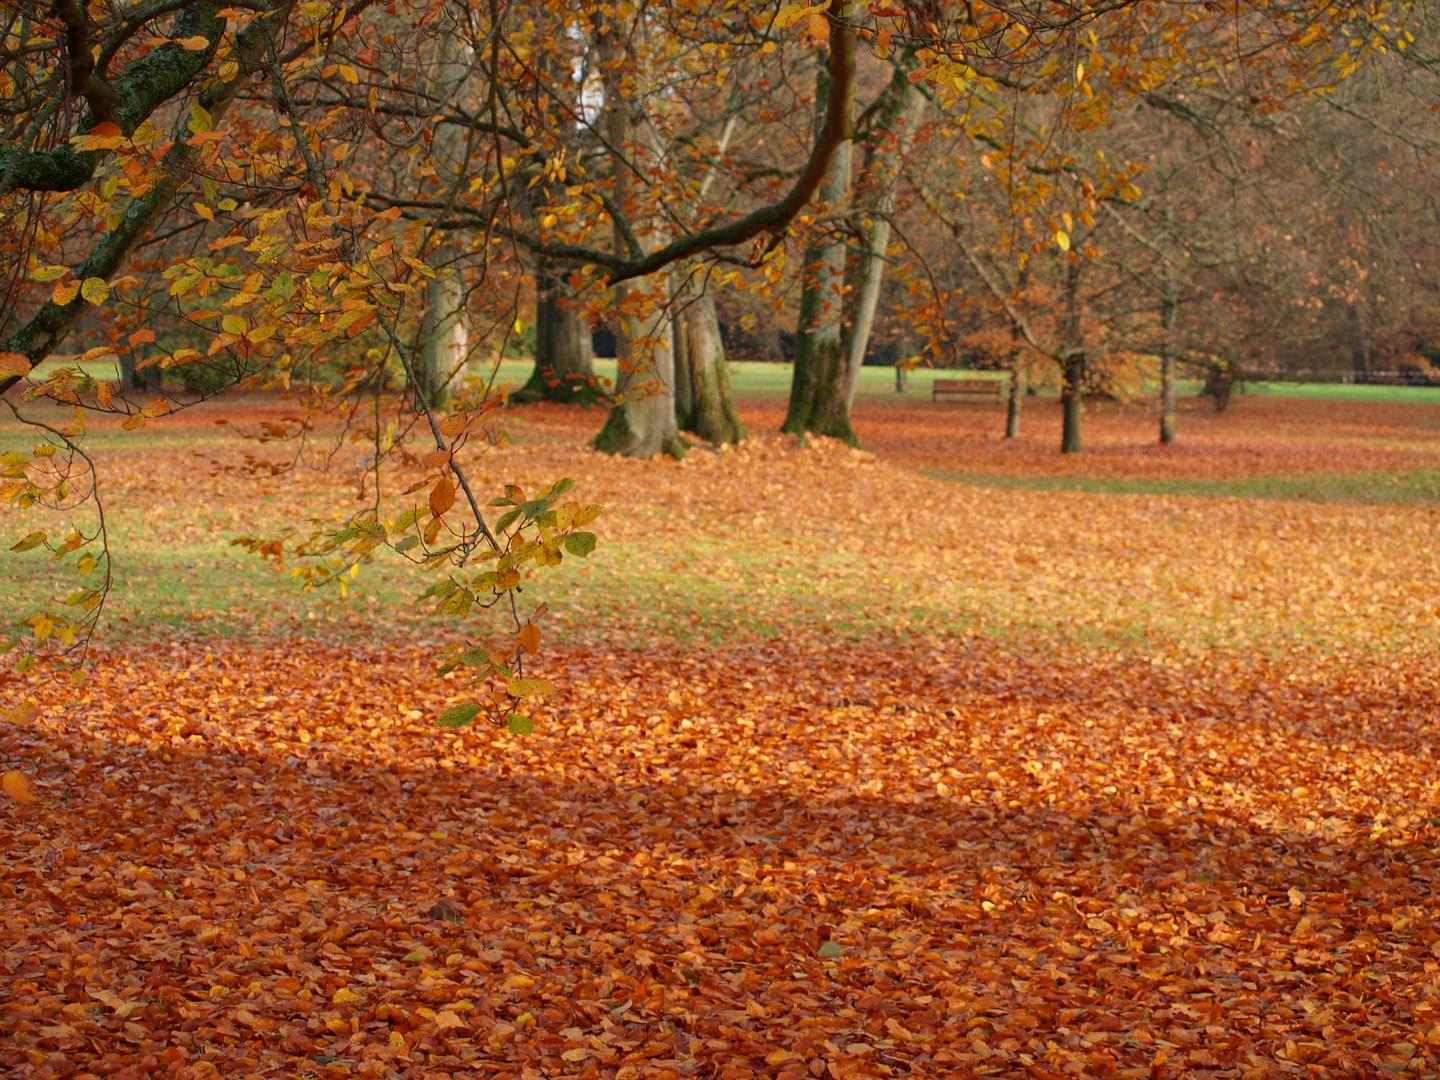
[17, 785]
[435, 458]
[442, 496]
[819, 26]
[529, 637]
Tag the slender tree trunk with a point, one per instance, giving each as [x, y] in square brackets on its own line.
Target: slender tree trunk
[1167, 362]
[684, 372]
[900, 378]
[820, 390]
[1017, 391]
[642, 420]
[900, 110]
[1073, 392]
[710, 412]
[564, 360]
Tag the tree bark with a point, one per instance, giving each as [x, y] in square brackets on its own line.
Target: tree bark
[642, 421]
[446, 344]
[899, 112]
[703, 402]
[564, 359]
[820, 390]
[1073, 364]
[1012, 408]
[1168, 306]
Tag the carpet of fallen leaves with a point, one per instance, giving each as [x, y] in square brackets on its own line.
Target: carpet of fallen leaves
[1171, 810]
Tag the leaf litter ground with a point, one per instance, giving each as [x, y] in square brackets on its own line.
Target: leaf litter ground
[852, 773]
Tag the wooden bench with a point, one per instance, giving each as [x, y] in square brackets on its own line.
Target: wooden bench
[969, 389]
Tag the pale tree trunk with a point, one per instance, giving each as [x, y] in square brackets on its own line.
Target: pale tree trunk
[1168, 307]
[1072, 365]
[564, 359]
[819, 392]
[445, 347]
[710, 409]
[899, 116]
[642, 421]
[1017, 391]
[703, 402]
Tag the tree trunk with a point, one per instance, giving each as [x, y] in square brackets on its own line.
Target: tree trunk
[900, 378]
[446, 344]
[1073, 393]
[642, 421]
[820, 390]
[684, 372]
[898, 117]
[1167, 362]
[1012, 408]
[1073, 398]
[711, 409]
[564, 360]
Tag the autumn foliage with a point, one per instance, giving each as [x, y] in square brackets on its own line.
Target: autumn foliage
[852, 773]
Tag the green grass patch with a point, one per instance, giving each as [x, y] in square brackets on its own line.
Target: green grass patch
[1412, 486]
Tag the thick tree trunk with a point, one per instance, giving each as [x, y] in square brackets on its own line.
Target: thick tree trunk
[820, 390]
[446, 344]
[899, 114]
[564, 360]
[642, 421]
[1167, 362]
[684, 372]
[709, 409]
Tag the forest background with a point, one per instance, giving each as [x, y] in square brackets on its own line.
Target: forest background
[401, 689]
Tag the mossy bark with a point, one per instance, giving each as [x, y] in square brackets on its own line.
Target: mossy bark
[564, 359]
[706, 406]
[820, 389]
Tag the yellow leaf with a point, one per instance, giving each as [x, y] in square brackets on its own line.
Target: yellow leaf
[17, 785]
[349, 74]
[519, 982]
[1062, 239]
[49, 273]
[64, 292]
[21, 713]
[204, 211]
[525, 687]
[95, 290]
[819, 26]
[344, 996]
[233, 324]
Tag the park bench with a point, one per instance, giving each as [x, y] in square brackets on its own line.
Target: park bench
[968, 389]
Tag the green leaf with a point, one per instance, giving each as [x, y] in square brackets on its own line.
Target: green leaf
[25, 664]
[580, 543]
[507, 520]
[520, 725]
[831, 949]
[459, 715]
[534, 506]
[501, 502]
[406, 544]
